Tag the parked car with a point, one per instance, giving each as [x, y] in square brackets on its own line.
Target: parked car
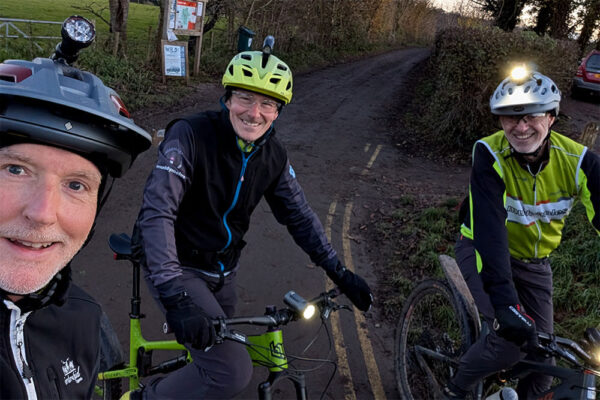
[587, 78]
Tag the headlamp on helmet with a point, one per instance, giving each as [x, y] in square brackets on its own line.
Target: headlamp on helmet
[49, 102]
[525, 92]
[260, 72]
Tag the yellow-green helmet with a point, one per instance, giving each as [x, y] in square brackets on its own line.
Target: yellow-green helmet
[261, 73]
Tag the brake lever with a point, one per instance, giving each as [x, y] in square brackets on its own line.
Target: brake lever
[223, 333]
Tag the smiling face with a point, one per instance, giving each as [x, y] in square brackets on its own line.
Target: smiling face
[48, 200]
[526, 132]
[251, 114]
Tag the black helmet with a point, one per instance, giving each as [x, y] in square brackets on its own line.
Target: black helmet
[49, 102]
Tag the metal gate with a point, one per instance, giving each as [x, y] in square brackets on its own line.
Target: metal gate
[8, 30]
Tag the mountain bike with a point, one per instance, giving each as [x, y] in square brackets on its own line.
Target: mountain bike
[266, 349]
[439, 322]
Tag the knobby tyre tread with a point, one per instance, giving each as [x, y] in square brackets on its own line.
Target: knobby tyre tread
[432, 317]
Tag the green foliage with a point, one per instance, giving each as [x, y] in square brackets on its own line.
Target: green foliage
[421, 235]
[140, 16]
[466, 66]
[577, 276]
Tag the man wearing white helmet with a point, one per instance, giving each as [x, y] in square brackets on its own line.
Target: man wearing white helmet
[62, 134]
[524, 181]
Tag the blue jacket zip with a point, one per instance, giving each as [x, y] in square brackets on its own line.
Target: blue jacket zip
[245, 160]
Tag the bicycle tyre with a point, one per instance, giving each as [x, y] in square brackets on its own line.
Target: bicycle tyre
[432, 317]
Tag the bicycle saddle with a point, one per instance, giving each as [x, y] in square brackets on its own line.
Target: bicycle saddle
[120, 244]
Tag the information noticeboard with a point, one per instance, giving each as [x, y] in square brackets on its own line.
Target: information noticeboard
[175, 59]
[186, 17]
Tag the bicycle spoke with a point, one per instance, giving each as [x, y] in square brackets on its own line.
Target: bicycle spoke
[432, 335]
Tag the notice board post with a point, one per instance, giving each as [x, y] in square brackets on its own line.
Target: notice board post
[186, 17]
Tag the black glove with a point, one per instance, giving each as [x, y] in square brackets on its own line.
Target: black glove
[514, 325]
[353, 286]
[591, 341]
[188, 321]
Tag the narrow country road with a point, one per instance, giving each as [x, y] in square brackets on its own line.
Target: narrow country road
[338, 145]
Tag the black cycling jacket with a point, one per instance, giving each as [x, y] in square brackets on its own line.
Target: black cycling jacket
[199, 198]
[50, 352]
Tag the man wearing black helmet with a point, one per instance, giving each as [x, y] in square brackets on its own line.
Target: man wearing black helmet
[212, 170]
[61, 136]
[524, 181]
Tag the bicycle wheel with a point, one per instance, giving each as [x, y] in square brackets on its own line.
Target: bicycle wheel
[432, 333]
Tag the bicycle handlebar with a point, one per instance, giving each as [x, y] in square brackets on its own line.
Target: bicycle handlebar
[552, 345]
[275, 318]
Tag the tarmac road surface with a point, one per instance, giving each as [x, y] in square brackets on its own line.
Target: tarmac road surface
[338, 145]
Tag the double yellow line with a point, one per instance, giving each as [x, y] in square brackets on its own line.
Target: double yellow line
[365, 343]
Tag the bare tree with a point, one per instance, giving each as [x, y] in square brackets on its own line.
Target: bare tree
[119, 11]
[591, 21]
[544, 16]
[506, 13]
[94, 9]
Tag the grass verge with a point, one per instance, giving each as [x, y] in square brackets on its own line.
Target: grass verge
[421, 232]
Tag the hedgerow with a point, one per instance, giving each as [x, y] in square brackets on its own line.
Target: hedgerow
[465, 67]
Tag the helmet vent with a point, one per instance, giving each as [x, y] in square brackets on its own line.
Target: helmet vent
[289, 86]
[527, 88]
[282, 67]
[6, 78]
[544, 90]
[246, 57]
[231, 69]
[247, 73]
[510, 90]
[275, 81]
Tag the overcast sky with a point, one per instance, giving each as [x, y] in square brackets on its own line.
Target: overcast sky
[447, 5]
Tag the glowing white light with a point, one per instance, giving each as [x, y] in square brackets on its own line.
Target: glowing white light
[309, 311]
[519, 73]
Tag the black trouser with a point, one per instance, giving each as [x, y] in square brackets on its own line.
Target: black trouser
[220, 372]
[492, 353]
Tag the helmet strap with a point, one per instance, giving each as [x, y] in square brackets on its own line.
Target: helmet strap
[521, 157]
[54, 292]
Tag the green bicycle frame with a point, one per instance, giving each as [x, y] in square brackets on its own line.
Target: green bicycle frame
[137, 341]
[268, 350]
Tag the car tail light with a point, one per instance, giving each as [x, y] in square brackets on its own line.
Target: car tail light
[579, 71]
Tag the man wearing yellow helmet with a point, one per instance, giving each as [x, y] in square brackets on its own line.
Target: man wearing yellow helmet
[213, 168]
[524, 181]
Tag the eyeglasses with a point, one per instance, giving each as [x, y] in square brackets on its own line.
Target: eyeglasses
[248, 100]
[530, 119]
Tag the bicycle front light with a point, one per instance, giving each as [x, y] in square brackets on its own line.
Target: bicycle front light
[300, 306]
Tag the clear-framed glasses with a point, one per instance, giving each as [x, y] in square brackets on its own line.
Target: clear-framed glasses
[247, 100]
[530, 119]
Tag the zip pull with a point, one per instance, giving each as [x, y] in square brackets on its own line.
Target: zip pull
[27, 372]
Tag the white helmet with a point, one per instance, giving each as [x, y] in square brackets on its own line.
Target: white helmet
[535, 93]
